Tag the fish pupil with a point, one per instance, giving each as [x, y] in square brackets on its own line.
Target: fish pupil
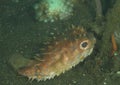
[84, 44]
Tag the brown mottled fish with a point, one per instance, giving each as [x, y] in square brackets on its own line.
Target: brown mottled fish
[61, 55]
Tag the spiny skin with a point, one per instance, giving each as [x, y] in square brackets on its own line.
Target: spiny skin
[61, 56]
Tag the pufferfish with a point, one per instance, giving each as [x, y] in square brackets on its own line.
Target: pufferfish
[61, 55]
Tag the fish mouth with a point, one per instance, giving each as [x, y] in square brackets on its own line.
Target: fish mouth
[88, 53]
[85, 54]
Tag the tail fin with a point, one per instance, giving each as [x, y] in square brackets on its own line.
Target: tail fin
[18, 61]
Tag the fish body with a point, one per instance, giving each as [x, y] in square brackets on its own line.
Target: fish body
[61, 56]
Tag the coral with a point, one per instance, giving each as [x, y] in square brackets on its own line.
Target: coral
[51, 10]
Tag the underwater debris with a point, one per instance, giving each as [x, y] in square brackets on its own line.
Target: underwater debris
[98, 8]
[115, 38]
[114, 45]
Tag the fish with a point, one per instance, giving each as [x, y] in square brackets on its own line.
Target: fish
[61, 55]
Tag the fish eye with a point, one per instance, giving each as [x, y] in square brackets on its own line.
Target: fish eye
[84, 44]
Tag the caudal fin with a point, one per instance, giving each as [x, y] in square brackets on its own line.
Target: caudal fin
[17, 61]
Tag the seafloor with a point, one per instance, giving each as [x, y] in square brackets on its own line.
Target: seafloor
[21, 33]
